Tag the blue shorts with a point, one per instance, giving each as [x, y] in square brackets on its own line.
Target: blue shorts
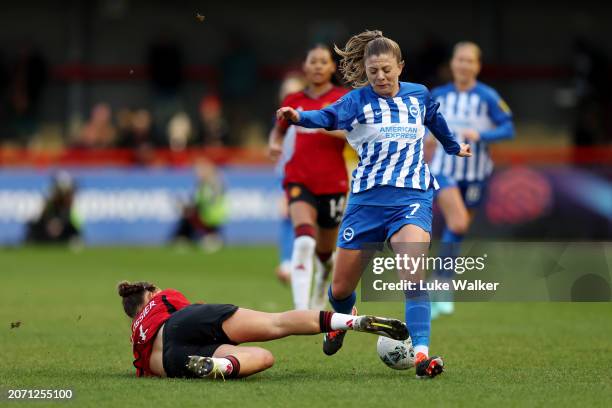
[363, 224]
[473, 192]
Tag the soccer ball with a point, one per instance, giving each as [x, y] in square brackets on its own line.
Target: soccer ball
[396, 354]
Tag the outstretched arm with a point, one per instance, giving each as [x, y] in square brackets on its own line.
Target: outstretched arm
[313, 119]
[337, 116]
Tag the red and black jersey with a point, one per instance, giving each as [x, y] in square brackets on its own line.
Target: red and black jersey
[146, 324]
[317, 161]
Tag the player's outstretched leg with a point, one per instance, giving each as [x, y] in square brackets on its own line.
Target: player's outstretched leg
[248, 325]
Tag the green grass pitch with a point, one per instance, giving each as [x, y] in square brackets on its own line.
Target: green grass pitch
[73, 334]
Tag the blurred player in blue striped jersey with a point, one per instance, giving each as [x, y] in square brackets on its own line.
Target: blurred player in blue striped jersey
[392, 188]
[478, 116]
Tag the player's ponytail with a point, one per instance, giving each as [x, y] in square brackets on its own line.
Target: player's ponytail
[358, 48]
[133, 295]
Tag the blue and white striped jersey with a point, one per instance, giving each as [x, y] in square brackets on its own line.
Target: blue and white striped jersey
[481, 109]
[387, 133]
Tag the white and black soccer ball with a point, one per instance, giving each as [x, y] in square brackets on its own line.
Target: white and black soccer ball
[396, 354]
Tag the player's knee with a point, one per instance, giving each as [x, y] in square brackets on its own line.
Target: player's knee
[340, 290]
[266, 359]
[459, 225]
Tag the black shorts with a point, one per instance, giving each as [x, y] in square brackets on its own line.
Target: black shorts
[194, 330]
[330, 207]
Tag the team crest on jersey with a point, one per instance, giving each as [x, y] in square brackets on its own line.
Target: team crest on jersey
[295, 192]
[414, 111]
[348, 234]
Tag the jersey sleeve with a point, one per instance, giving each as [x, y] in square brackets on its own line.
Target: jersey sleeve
[500, 114]
[437, 125]
[337, 116]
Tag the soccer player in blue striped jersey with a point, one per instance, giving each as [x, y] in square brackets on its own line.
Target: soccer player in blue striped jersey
[392, 189]
[478, 116]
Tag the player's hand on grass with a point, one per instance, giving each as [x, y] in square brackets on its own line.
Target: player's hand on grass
[470, 135]
[288, 113]
[465, 151]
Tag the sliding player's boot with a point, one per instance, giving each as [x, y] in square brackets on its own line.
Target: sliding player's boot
[204, 367]
[382, 326]
[332, 341]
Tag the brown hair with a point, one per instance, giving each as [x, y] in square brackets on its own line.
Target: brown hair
[475, 46]
[358, 48]
[133, 295]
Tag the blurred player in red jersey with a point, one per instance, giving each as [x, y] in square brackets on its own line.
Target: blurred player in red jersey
[173, 338]
[293, 82]
[315, 181]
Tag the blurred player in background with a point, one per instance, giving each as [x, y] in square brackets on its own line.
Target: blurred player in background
[293, 82]
[58, 221]
[203, 217]
[173, 338]
[478, 116]
[315, 181]
[392, 188]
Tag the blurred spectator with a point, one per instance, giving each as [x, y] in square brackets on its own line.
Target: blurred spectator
[134, 127]
[135, 132]
[593, 95]
[179, 131]
[203, 217]
[27, 82]
[165, 60]
[58, 221]
[99, 131]
[213, 129]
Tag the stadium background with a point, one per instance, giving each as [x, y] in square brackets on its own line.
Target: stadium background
[172, 63]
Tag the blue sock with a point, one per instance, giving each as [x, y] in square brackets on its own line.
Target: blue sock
[286, 240]
[449, 248]
[418, 317]
[344, 305]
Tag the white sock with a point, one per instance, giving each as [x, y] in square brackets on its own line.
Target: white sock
[340, 321]
[301, 270]
[321, 269]
[421, 349]
[226, 366]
